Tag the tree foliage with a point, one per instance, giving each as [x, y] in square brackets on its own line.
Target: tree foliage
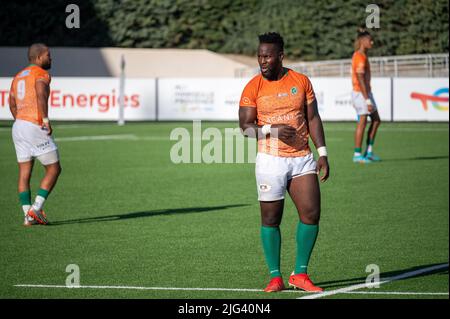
[313, 29]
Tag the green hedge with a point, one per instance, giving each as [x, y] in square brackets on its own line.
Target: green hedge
[313, 29]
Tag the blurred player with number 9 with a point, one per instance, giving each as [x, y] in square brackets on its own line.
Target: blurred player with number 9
[32, 132]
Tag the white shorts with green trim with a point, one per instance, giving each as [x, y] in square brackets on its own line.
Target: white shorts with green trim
[274, 172]
[360, 105]
[31, 141]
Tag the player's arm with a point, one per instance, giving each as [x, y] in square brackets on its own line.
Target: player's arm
[12, 105]
[318, 137]
[247, 123]
[364, 89]
[362, 85]
[42, 94]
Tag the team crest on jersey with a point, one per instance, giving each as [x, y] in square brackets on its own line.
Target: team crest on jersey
[264, 187]
[24, 73]
[246, 100]
[294, 90]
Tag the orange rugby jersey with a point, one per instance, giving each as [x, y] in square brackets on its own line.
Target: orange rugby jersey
[360, 64]
[24, 91]
[281, 102]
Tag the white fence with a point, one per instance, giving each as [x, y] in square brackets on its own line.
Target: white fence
[398, 99]
[418, 65]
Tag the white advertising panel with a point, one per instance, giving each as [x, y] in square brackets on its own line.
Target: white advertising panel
[334, 98]
[75, 98]
[421, 99]
[199, 99]
[414, 99]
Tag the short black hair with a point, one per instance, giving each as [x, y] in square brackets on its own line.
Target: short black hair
[272, 37]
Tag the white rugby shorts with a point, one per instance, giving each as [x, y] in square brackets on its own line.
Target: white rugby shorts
[360, 105]
[274, 172]
[31, 141]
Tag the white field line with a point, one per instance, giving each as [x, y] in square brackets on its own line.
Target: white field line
[224, 289]
[119, 137]
[370, 285]
[132, 137]
[96, 138]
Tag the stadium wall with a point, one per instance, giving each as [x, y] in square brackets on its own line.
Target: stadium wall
[167, 99]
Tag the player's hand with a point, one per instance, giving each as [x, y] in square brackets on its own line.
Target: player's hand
[322, 166]
[369, 105]
[283, 132]
[47, 126]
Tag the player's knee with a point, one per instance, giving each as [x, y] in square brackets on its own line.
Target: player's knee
[271, 221]
[311, 216]
[54, 169]
[310, 220]
[375, 118]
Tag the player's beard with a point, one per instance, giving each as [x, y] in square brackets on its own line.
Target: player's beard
[267, 74]
[271, 73]
[47, 65]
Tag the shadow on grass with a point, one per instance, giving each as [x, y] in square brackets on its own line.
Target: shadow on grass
[385, 275]
[151, 213]
[6, 123]
[419, 158]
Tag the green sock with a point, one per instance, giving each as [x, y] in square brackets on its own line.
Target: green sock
[271, 240]
[358, 150]
[25, 198]
[43, 192]
[306, 238]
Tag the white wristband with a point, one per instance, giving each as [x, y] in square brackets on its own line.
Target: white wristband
[322, 151]
[266, 129]
[45, 120]
[369, 102]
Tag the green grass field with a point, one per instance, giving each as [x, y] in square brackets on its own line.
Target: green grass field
[127, 216]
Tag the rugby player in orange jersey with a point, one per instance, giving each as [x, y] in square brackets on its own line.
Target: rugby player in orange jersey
[279, 107]
[363, 100]
[31, 132]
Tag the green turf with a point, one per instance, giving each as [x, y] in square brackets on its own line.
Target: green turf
[128, 216]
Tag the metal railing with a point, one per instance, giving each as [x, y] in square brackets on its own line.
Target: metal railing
[420, 65]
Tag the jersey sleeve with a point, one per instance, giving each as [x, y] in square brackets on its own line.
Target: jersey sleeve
[359, 64]
[309, 91]
[249, 95]
[44, 77]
